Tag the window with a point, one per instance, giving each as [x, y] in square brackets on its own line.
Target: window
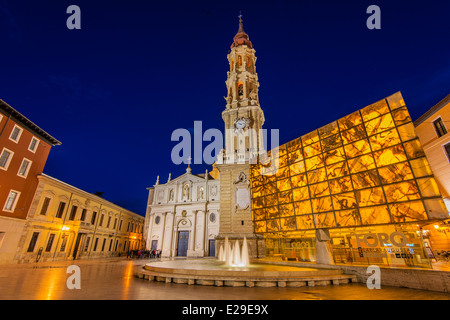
[16, 133]
[33, 144]
[115, 223]
[11, 201]
[103, 244]
[439, 127]
[50, 242]
[94, 215]
[87, 244]
[83, 215]
[33, 241]
[239, 61]
[95, 244]
[120, 225]
[60, 211]
[447, 151]
[101, 220]
[73, 213]
[109, 222]
[5, 158]
[24, 168]
[45, 205]
[64, 243]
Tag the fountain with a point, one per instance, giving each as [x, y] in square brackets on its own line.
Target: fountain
[234, 257]
[232, 268]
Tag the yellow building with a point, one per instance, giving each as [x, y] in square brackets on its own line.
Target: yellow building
[66, 223]
[433, 130]
[355, 191]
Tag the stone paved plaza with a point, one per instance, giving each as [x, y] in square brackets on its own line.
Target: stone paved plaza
[114, 279]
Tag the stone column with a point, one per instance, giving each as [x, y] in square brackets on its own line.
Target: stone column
[199, 234]
[167, 238]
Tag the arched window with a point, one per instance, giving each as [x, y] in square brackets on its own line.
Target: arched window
[232, 64]
[240, 88]
[239, 61]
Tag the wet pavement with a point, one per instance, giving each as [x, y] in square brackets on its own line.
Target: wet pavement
[113, 279]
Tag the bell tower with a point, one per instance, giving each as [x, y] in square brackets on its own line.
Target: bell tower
[243, 120]
[243, 116]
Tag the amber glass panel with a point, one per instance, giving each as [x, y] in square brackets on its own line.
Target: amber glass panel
[408, 211]
[337, 170]
[407, 132]
[321, 204]
[283, 185]
[340, 185]
[286, 210]
[301, 193]
[344, 201]
[333, 156]
[299, 180]
[324, 220]
[402, 191]
[395, 173]
[282, 173]
[328, 130]
[302, 207]
[272, 212]
[293, 145]
[305, 222]
[258, 214]
[374, 215]
[310, 138]
[389, 156]
[347, 218]
[413, 149]
[273, 225]
[401, 116]
[260, 226]
[331, 142]
[384, 139]
[370, 197]
[357, 148]
[257, 191]
[421, 167]
[288, 224]
[296, 168]
[282, 161]
[366, 179]
[258, 203]
[319, 189]
[285, 196]
[350, 121]
[312, 150]
[353, 134]
[395, 101]
[271, 200]
[270, 188]
[362, 163]
[374, 110]
[428, 187]
[318, 175]
[295, 156]
[379, 124]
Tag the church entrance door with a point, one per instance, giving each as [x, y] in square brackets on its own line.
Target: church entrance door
[212, 247]
[183, 242]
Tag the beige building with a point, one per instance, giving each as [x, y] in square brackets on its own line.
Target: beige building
[433, 130]
[66, 223]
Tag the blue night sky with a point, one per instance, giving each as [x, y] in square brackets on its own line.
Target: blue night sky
[114, 91]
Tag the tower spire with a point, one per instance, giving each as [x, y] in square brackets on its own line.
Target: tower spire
[241, 37]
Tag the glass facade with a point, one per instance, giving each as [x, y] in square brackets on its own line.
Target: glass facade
[365, 169]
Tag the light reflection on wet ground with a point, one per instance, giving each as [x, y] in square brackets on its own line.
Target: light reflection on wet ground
[114, 279]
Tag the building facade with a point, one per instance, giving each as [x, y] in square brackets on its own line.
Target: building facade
[24, 148]
[433, 131]
[66, 223]
[183, 216]
[356, 191]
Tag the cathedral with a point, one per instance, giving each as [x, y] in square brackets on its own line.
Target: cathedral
[192, 214]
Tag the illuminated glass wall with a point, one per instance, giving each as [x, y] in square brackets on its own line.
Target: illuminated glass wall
[367, 168]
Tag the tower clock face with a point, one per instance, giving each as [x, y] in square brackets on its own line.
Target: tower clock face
[240, 123]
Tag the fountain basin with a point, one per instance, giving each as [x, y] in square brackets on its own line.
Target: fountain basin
[214, 273]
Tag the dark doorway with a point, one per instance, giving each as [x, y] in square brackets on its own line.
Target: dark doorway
[212, 248]
[77, 245]
[183, 243]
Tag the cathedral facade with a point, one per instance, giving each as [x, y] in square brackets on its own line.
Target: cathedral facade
[192, 214]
